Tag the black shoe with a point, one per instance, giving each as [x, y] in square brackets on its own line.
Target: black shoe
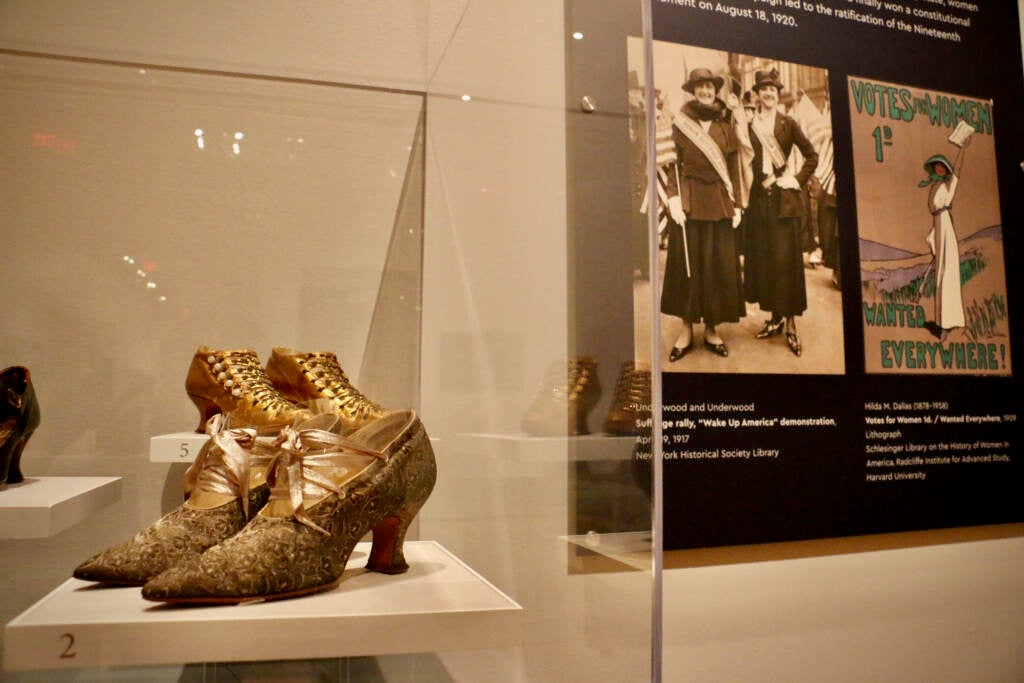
[770, 329]
[676, 353]
[794, 342]
[719, 348]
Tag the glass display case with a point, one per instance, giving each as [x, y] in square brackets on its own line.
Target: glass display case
[454, 200]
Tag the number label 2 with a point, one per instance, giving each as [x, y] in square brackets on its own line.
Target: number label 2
[69, 649]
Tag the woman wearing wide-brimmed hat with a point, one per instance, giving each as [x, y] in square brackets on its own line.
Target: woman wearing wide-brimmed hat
[773, 265]
[942, 181]
[703, 281]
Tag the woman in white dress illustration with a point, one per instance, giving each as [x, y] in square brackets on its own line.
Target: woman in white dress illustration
[942, 180]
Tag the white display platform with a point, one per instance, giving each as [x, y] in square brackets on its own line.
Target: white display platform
[44, 506]
[587, 447]
[183, 446]
[176, 447]
[439, 604]
[632, 548]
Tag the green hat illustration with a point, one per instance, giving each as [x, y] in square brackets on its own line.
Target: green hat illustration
[929, 166]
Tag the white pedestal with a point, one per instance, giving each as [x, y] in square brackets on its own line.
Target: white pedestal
[176, 447]
[43, 506]
[439, 604]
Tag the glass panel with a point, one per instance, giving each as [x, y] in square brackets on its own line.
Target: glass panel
[533, 250]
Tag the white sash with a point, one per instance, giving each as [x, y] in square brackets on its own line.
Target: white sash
[707, 146]
[770, 145]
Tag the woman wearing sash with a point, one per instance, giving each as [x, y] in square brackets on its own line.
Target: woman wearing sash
[774, 265]
[703, 281]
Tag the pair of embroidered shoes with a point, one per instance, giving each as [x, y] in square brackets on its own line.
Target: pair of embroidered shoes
[272, 517]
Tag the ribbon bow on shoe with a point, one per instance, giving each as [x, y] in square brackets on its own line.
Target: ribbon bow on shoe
[327, 492]
[225, 483]
[312, 463]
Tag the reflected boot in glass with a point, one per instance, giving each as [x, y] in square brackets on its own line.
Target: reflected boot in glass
[315, 379]
[327, 492]
[234, 383]
[19, 418]
[564, 393]
[631, 403]
[224, 488]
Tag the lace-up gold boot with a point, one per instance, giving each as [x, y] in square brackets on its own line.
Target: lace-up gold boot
[327, 492]
[631, 403]
[312, 378]
[564, 393]
[224, 488]
[234, 383]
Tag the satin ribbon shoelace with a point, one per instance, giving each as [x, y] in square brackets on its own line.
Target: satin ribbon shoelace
[299, 452]
[223, 463]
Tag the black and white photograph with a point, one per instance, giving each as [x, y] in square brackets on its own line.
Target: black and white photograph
[748, 277]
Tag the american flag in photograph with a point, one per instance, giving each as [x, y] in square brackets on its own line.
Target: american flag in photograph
[665, 156]
[817, 126]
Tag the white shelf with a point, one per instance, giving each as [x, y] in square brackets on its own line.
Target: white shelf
[631, 548]
[176, 447]
[439, 604]
[522, 447]
[183, 446]
[44, 506]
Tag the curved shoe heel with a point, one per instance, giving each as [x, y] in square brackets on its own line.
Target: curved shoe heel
[207, 409]
[386, 554]
[14, 475]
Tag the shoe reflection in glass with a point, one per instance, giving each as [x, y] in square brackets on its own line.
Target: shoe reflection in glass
[316, 378]
[19, 418]
[564, 399]
[234, 383]
[224, 487]
[327, 492]
[631, 402]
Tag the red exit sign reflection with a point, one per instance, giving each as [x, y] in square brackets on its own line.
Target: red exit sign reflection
[52, 141]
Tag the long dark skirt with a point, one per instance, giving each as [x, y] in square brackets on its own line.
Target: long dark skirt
[773, 265]
[713, 293]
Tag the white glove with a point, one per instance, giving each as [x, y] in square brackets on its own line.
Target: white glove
[787, 182]
[675, 208]
[737, 216]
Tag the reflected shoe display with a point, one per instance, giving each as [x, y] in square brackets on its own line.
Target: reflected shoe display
[564, 400]
[225, 486]
[631, 402]
[235, 383]
[19, 418]
[327, 492]
[316, 378]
